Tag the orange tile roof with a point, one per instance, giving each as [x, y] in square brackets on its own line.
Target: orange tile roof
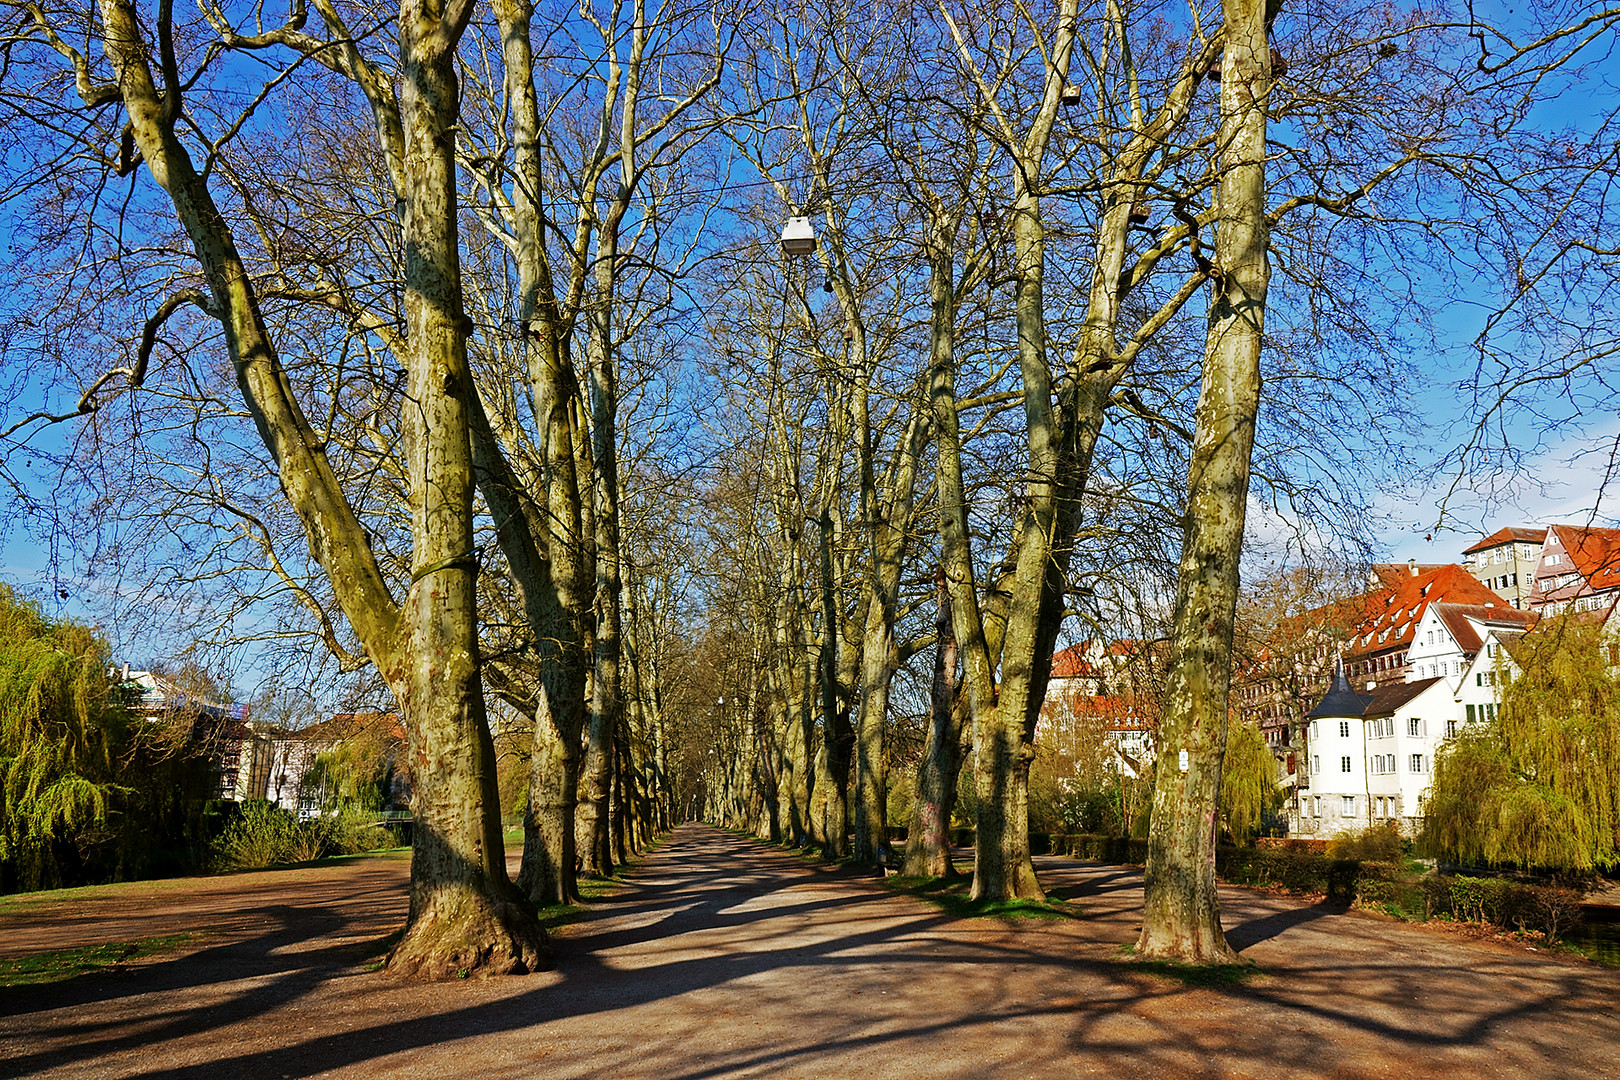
[1508, 536]
[342, 726]
[1405, 601]
[1595, 553]
[1071, 663]
[1120, 711]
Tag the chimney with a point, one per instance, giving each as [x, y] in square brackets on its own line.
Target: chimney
[1411, 564]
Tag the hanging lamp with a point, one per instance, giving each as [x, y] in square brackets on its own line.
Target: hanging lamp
[798, 238]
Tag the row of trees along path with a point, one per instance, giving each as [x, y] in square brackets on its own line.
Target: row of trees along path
[456, 348]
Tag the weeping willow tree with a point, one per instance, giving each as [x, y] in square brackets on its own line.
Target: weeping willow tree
[1248, 780]
[61, 731]
[1540, 784]
[355, 773]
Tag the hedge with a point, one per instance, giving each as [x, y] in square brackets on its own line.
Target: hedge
[1501, 902]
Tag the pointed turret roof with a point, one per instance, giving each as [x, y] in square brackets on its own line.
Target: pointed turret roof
[1340, 699]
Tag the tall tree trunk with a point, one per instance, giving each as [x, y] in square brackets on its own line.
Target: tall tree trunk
[465, 917]
[871, 844]
[547, 873]
[888, 525]
[838, 736]
[619, 804]
[460, 895]
[1181, 920]
[606, 705]
[548, 558]
[928, 844]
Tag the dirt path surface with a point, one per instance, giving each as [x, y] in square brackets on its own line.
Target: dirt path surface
[726, 958]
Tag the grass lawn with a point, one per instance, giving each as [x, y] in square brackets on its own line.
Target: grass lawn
[63, 964]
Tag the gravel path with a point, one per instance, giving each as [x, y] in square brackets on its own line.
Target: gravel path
[727, 958]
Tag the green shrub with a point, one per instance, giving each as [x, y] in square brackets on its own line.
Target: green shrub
[1377, 843]
[264, 835]
[353, 833]
[1384, 885]
[261, 835]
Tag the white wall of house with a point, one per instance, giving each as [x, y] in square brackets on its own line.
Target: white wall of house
[1400, 750]
[1434, 652]
[1337, 801]
[1479, 694]
[1365, 771]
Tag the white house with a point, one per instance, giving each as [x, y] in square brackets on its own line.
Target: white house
[1479, 694]
[1450, 636]
[1372, 754]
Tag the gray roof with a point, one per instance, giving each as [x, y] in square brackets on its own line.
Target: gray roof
[1340, 699]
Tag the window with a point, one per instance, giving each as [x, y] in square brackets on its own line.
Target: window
[1316, 765]
[1479, 678]
[1451, 725]
[1344, 729]
[1314, 729]
[1414, 726]
[1490, 711]
[1417, 763]
[1318, 805]
[1344, 763]
[1348, 805]
[1470, 714]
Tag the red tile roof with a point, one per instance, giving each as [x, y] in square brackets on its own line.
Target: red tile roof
[1460, 619]
[1071, 663]
[1119, 711]
[1405, 601]
[1595, 553]
[1508, 536]
[340, 726]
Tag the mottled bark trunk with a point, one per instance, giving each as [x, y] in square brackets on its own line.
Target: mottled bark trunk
[544, 540]
[464, 913]
[838, 736]
[928, 844]
[888, 526]
[871, 839]
[619, 800]
[606, 707]
[1181, 919]
[547, 873]
[465, 917]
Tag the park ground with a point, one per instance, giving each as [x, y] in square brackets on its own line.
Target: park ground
[724, 957]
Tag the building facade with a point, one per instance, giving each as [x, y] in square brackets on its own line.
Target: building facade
[1505, 562]
[1578, 570]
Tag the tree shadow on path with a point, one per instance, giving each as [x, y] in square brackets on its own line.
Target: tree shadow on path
[712, 926]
